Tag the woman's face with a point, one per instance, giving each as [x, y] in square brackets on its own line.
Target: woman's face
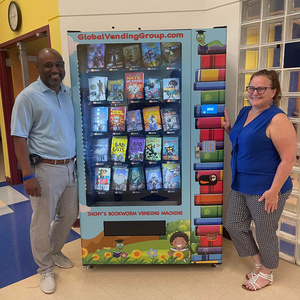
[265, 99]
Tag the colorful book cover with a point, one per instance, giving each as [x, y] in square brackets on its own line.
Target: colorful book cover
[204, 229]
[136, 148]
[136, 178]
[171, 88]
[153, 148]
[118, 148]
[213, 97]
[209, 85]
[132, 56]
[95, 56]
[216, 156]
[210, 75]
[206, 123]
[100, 150]
[113, 56]
[208, 199]
[152, 120]
[99, 118]
[152, 88]
[153, 178]
[134, 120]
[209, 177]
[211, 240]
[115, 90]
[211, 211]
[170, 119]
[117, 116]
[102, 179]
[119, 178]
[213, 61]
[97, 88]
[134, 85]
[212, 134]
[171, 54]
[151, 54]
[212, 189]
[171, 176]
[170, 148]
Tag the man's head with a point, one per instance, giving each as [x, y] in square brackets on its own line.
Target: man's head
[51, 68]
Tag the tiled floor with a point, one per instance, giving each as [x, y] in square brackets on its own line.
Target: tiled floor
[134, 282]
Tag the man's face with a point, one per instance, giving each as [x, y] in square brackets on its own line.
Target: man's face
[52, 69]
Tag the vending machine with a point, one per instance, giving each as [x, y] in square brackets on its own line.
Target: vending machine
[149, 173]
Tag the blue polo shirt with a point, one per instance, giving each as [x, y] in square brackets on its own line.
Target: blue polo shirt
[254, 157]
[46, 120]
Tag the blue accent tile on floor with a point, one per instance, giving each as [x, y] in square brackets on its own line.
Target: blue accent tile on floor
[16, 259]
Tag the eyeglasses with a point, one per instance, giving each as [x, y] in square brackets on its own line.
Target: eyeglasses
[260, 89]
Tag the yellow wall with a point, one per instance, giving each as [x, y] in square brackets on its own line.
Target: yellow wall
[35, 14]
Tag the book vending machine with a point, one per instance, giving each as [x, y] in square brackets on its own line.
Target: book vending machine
[133, 102]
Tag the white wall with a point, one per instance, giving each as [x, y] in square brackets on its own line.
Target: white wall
[161, 15]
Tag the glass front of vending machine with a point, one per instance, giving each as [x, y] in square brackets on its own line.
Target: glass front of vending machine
[131, 93]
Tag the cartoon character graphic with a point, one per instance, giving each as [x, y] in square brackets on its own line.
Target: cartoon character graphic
[119, 247]
[203, 45]
[179, 241]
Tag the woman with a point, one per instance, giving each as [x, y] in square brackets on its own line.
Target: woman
[264, 148]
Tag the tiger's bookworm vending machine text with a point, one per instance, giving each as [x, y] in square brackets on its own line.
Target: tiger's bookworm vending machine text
[149, 110]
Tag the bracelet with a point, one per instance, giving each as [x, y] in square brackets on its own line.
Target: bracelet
[28, 177]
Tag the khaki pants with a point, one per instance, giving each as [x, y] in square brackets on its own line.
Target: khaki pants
[59, 199]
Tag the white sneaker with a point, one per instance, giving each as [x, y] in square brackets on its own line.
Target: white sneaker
[48, 284]
[62, 261]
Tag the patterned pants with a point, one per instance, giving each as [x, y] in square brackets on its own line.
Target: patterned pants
[241, 210]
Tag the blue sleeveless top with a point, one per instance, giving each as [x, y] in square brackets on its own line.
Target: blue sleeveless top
[254, 158]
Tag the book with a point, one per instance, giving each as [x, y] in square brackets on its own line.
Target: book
[213, 61]
[152, 88]
[97, 88]
[204, 229]
[211, 211]
[171, 176]
[117, 116]
[100, 149]
[208, 221]
[95, 56]
[211, 240]
[212, 189]
[136, 178]
[208, 145]
[206, 123]
[115, 90]
[209, 166]
[102, 179]
[132, 56]
[209, 85]
[113, 56]
[136, 148]
[216, 156]
[171, 54]
[170, 148]
[210, 75]
[151, 53]
[153, 148]
[212, 134]
[209, 110]
[134, 120]
[213, 97]
[119, 178]
[171, 88]
[153, 178]
[152, 120]
[99, 118]
[208, 199]
[134, 85]
[170, 119]
[118, 148]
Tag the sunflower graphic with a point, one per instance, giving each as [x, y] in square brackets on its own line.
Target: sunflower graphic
[136, 254]
[84, 252]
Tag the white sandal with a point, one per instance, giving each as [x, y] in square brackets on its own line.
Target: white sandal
[256, 286]
[252, 273]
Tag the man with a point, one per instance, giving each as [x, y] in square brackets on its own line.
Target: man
[43, 128]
